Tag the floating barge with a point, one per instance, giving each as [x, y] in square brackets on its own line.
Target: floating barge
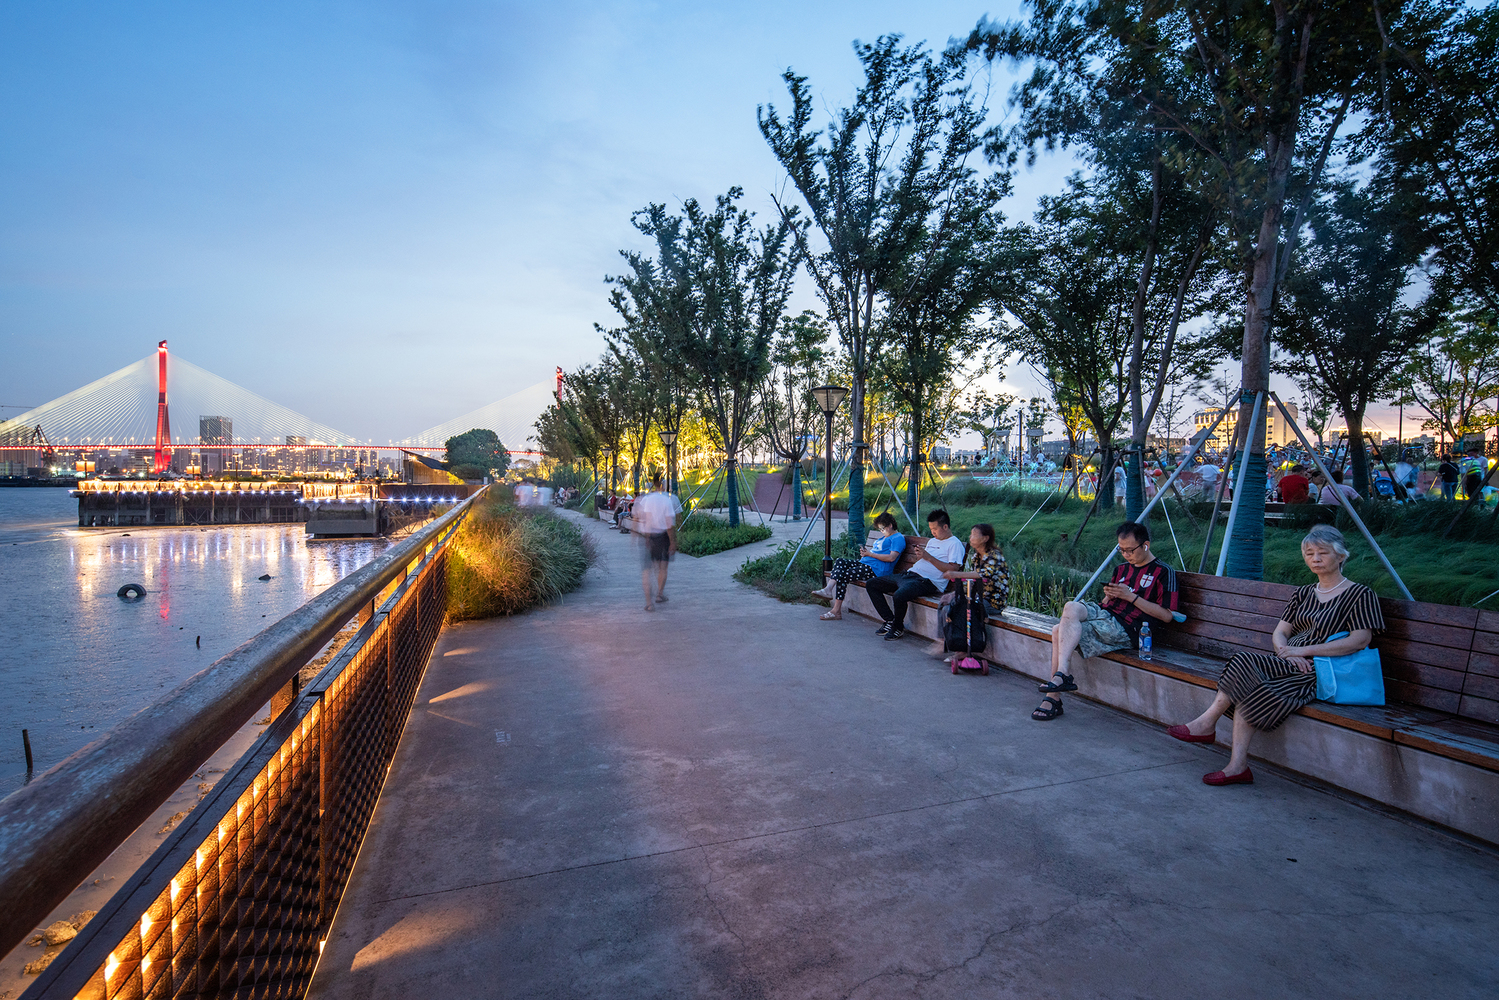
[328, 509]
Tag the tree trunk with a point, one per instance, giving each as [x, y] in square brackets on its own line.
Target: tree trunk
[731, 477]
[1360, 455]
[856, 466]
[1105, 489]
[796, 490]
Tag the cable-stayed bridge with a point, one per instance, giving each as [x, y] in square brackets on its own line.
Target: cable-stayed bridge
[173, 408]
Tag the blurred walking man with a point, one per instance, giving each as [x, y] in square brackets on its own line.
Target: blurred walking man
[654, 519]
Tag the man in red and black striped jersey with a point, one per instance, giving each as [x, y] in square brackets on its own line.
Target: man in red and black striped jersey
[1143, 587]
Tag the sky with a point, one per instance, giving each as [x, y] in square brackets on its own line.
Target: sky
[384, 215]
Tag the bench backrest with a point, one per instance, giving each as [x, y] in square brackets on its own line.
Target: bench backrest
[1434, 655]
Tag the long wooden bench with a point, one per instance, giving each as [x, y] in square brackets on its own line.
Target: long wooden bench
[1441, 668]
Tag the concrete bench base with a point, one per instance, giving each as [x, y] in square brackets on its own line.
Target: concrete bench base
[1433, 787]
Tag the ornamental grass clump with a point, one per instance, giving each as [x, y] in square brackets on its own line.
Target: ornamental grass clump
[507, 559]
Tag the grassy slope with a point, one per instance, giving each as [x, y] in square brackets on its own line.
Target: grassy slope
[1443, 572]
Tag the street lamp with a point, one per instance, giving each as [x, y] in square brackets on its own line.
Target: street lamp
[669, 442]
[829, 398]
[608, 453]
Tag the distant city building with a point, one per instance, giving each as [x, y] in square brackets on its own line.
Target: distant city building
[216, 430]
[1278, 433]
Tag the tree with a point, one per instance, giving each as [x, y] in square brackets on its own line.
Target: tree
[1316, 406]
[1454, 376]
[718, 288]
[588, 392]
[876, 189]
[932, 324]
[1242, 85]
[1437, 125]
[786, 398]
[1070, 304]
[476, 450]
[634, 398]
[1343, 318]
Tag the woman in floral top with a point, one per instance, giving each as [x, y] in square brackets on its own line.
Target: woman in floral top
[985, 563]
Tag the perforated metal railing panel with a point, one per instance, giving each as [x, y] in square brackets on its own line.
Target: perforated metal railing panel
[239, 906]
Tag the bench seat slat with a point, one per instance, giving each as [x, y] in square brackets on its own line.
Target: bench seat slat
[1393, 651]
[1482, 709]
[1483, 664]
[1427, 697]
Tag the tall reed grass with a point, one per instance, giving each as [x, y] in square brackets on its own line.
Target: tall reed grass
[506, 559]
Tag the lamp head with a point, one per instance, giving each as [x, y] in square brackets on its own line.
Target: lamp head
[668, 438]
[829, 397]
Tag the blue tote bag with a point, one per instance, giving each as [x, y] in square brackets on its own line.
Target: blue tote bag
[1355, 679]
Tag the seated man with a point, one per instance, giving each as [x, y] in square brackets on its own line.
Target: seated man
[944, 552]
[1295, 486]
[1142, 586]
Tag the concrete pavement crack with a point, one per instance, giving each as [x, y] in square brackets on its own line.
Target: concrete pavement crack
[964, 800]
[929, 975]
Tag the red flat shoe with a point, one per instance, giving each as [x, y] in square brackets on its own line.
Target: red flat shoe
[1244, 777]
[1185, 735]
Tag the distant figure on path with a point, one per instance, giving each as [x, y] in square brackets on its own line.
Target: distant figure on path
[1142, 587]
[654, 518]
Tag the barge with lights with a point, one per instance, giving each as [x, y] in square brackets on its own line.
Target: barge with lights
[330, 510]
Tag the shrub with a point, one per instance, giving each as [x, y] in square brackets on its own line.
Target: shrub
[506, 559]
[704, 535]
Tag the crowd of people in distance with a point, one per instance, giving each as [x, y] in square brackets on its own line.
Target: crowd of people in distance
[1257, 690]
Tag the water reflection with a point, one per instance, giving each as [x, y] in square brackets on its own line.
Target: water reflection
[75, 659]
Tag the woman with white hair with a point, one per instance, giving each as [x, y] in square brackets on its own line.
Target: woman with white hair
[1259, 690]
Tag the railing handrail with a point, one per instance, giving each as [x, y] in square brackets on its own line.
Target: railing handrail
[56, 830]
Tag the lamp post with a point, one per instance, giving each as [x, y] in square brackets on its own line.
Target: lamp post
[669, 442]
[829, 398]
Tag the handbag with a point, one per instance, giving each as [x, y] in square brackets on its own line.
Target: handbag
[1355, 679]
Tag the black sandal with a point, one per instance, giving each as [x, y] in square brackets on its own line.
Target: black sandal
[1044, 714]
[1052, 685]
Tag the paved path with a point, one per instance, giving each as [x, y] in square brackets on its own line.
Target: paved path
[773, 495]
[729, 798]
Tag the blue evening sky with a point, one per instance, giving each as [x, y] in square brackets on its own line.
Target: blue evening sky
[381, 214]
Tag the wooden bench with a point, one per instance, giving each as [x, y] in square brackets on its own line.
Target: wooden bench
[1441, 667]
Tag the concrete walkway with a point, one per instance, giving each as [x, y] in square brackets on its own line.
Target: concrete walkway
[729, 798]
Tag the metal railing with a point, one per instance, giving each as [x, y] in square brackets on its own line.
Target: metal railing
[239, 898]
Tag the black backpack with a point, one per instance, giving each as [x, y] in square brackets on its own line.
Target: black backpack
[963, 629]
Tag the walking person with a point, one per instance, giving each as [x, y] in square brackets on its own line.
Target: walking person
[943, 552]
[874, 561]
[1142, 587]
[654, 519]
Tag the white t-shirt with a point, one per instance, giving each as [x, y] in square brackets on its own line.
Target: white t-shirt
[949, 550]
[656, 512]
[1209, 473]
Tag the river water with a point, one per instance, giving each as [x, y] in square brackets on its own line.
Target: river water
[76, 660]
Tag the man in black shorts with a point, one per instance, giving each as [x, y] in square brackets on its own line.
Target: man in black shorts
[654, 519]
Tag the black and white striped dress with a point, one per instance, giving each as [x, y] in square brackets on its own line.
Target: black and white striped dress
[1266, 688]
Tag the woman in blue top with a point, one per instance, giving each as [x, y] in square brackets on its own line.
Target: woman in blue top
[875, 560]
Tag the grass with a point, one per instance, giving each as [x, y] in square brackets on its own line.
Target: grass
[705, 535]
[1047, 570]
[717, 495]
[1458, 570]
[506, 559]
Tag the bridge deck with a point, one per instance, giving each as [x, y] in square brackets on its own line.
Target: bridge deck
[731, 798]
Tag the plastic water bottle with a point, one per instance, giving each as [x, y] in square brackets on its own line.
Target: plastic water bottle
[1145, 642]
